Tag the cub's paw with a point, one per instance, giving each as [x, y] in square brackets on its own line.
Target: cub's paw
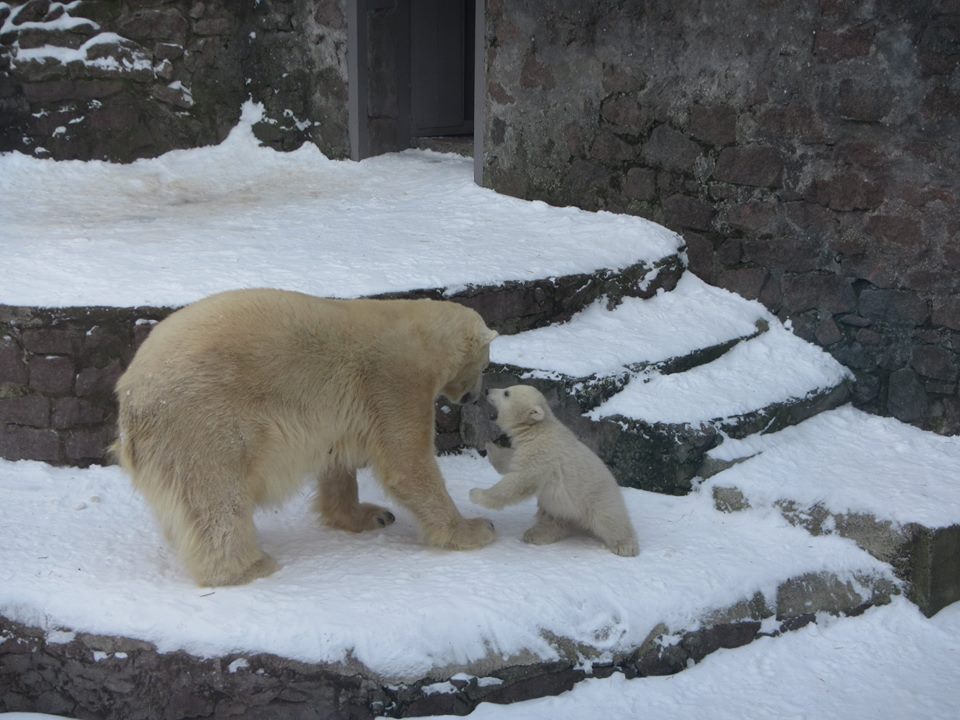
[479, 496]
[471, 534]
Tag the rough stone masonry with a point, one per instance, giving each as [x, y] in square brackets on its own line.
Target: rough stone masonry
[808, 151]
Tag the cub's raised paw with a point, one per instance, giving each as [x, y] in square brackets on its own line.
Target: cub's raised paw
[479, 496]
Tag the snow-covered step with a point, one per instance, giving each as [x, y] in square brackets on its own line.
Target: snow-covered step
[655, 432]
[889, 486]
[376, 623]
[583, 362]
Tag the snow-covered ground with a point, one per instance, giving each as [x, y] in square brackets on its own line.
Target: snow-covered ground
[398, 607]
[170, 230]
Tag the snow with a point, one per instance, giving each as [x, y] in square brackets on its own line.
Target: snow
[772, 368]
[671, 324]
[890, 662]
[383, 598]
[65, 55]
[170, 230]
[851, 462]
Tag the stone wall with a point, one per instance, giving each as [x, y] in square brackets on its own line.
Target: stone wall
[120, 80]
[58, 367]
[809, 152]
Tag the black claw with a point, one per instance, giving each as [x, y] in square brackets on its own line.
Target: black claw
[390, 517]
[491, 525]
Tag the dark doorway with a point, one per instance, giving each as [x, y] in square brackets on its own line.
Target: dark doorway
[411, 67]
[441, 67]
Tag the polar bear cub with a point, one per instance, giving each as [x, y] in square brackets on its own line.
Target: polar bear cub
[574, 489]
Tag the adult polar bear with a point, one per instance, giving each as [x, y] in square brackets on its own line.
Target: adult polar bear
[233, 401]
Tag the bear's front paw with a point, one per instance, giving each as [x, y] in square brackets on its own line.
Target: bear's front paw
[470, 534]
[625, 548]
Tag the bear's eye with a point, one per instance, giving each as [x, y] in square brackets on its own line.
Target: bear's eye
[506, 393]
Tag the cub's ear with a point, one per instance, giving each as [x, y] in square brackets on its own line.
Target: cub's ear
[536, 414]
[490, 335]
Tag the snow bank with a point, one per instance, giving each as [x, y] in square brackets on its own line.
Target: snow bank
[81, 552]
[671, 324]
[851, 462]
[170, 230]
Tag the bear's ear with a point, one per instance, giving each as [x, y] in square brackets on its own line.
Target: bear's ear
[536, 414]
[490, 336]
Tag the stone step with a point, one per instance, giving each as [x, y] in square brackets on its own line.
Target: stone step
[58, 365]
[440, 631]
[887, 486]
[651, 386]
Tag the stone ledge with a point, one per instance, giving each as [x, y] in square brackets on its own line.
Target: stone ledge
[926, 559]
[95, 676]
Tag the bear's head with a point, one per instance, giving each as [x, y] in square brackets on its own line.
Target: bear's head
[467, 383]
[518, 407]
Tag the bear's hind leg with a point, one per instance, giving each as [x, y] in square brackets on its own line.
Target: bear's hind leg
[220, 546]
[614, 528]
[338, 504]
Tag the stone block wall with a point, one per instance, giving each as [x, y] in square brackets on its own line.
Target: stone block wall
[120, 80]
[808, 151]
[57, 373]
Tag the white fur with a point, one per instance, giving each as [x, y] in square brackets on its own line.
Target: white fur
[574, 489]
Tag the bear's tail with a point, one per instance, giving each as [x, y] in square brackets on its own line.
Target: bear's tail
[122, 452]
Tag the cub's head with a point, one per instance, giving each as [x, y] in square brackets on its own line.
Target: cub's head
[519, 406]
[467, 383]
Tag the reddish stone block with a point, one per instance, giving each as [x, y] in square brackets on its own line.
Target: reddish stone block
[627, 112]
[13, 369]
[610, 148]
[682, 211]
[744, 281]
[31, 410]
[700, 255]
[713, 124]
[670, 149]
[51, 374]
[818, 290]
[833, 46]
[19, 443]
[89, 445]
[827, 332]
[754, 216]
[790, 121]
[98, 381]
[862, 102]
[934, 362]
[895, 230]
[641, 184]
[946, 312]
[845, 192]
[48, 341]
[893, 306]
[70, 412]
[754, 165]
